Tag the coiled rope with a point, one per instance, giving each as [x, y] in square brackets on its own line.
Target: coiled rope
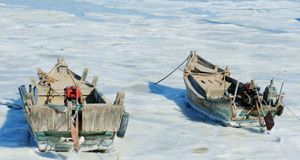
[172, 71]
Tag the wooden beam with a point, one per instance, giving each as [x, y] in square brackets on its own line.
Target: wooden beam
[120, 98]
[84, 74]
[95, 80]
[33, 81]
[39, 73]
[29, 96]
[101, 117]
[61, 60]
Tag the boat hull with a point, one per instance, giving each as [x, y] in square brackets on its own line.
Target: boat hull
[212, 92]
[218, 110]
[58, 120]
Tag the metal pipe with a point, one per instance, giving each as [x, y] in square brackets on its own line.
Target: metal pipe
[235, 92]
[280, 93]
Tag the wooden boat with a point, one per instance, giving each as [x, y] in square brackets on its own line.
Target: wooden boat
[64, 110]
[222, 98]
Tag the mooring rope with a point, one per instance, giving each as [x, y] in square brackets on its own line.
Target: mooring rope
[172, 71]
[57, 65]
[290, 111]
[71, 77]
[121, 147]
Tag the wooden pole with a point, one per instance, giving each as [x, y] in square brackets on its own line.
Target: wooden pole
[258, 112]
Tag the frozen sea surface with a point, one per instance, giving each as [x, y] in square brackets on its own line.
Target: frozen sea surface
[130, 45]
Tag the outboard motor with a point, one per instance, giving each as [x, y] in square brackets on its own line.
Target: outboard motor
[270, 94]
[72, 93]
[250, 95]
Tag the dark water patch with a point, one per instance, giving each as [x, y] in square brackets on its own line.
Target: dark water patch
[244, 26]
[209, 0]
[196, 11]
[139, 24]
[79, 8]
[269, 57]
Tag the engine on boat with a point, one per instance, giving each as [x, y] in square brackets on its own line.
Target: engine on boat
[72, 93]
[270, 95]
[249, 95]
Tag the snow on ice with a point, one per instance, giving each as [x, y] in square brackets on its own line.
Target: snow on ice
[130, 45]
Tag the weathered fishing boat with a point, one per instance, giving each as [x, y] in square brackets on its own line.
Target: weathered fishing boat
[215, 94]
[64, 110]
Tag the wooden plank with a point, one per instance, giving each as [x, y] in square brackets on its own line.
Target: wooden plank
[45, 118]
[50, 124]
[102, 117]
[93, 117]
[61, 121]
[96, 117]
[29, 96]
[32, 118]
[109, 117]
[22, 91]
[83, 123]
[99, 121]
[88, 118]
[201, 68]
[35, 94]
[69, 114]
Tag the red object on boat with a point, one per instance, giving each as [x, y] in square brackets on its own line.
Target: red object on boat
[70, 92]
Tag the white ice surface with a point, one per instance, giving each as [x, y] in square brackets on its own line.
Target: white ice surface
[131, 44]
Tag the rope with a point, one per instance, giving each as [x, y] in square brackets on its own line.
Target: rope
[172, 71]
[57, 93]
[57, 65]
[71, 77]
[290, 111]
[121, 147]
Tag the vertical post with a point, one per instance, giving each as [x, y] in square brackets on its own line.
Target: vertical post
[22, 91]
[235, 92]
[39, 73]
[84, 74]
[95, 80]
[120, 98]
[29, 96]
[33, 81]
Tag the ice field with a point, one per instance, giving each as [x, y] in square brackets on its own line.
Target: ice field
[132, 44]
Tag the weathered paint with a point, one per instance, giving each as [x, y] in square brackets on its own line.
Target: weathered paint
[206, 86]
[50, 128]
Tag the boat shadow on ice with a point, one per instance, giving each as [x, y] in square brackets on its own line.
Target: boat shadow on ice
[179, 97]
[14, 131]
